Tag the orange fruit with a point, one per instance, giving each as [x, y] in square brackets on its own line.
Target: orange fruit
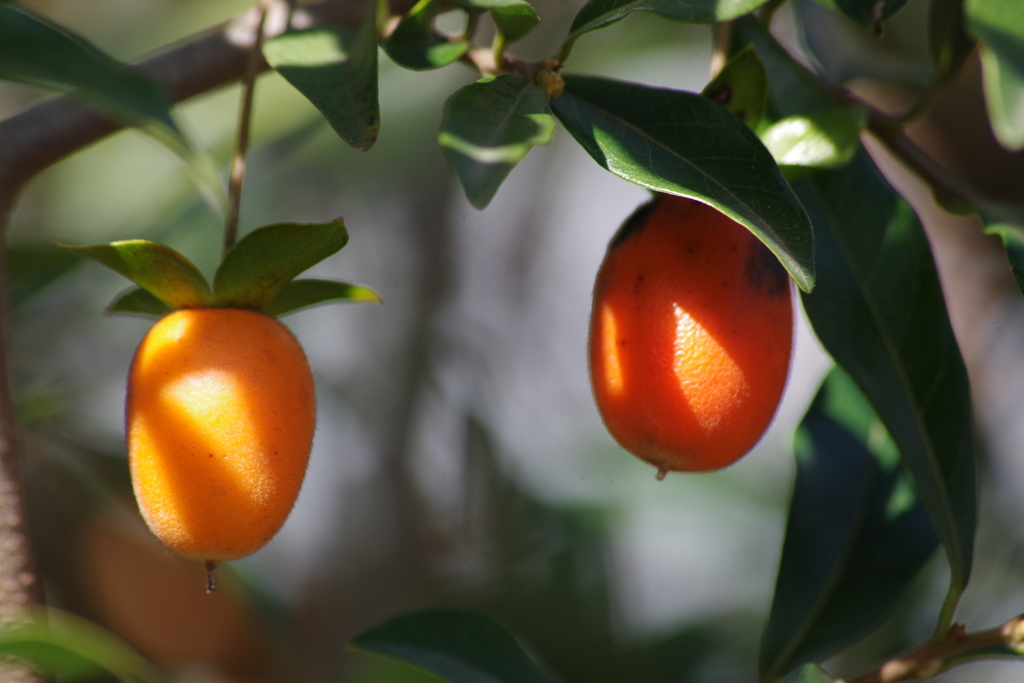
[690, 336]
[219, 422]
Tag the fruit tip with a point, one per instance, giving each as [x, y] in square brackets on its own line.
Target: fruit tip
[211, 576]
[662, 471]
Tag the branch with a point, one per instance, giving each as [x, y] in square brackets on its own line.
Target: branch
[936, 656]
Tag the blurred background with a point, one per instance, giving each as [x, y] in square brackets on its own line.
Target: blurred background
[459, 459]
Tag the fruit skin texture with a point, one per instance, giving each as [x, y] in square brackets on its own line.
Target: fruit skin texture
[219, 421]
[690, 336]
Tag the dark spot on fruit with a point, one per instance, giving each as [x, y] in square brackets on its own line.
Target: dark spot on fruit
[764, 271]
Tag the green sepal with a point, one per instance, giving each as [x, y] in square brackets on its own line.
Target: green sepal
[415, 44]
[266, 259]
[137, 301]
[160, 270]
[299, 294]
[741, 87]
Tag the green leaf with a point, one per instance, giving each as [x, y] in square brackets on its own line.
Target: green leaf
[948, 41]
[999, 25]
[38, 52]
[600, 13]
[824, 140]
[415, 44]
[791, 89]
[137, 301]
[336, 69]
[60, 643]
[684, 144]
[856, 535]
[266, 259]
[879, 311]
[299, 294]
[514, 18]
[158, 269]
[869, 13]
[1012, 235]
[809, 673]
[457, 646]
[741, 87]
[488, 127]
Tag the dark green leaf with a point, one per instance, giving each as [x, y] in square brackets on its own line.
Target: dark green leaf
[299, 294]
[61, 643]
[488, 127]
[514, 18]
[158, 269]
[1013, 241]
[31, 268]
[809, 673]
[870, 13]
[791, 89]
[269, 257]
[947, 37]
[824, 140]
[336, 69]
[458, 646]
[600, 13]
[879, 311]
[38, 52]
[415, 44]
[856, 534]
[684, 144]
[137, 301]
[999, 25]
[741, 87]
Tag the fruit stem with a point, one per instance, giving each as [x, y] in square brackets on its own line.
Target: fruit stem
[237, 173]
[211, 576]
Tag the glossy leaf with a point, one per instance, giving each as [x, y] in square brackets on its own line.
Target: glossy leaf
[137, 301]
[999, 24]
[856, 534]
[62, 644]
[1013, 241]
[809, 673]
[336, 69]
[266, 259]
[824, 140]
[457, 646]
[514, 18]
[684, 144]
[299, 294]
[488, 127]
[741, 87]
[415, 44]
[600, 13]
[158, 269]
[879, 311]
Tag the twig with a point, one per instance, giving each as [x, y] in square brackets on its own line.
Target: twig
[936, 656]
[254, 64]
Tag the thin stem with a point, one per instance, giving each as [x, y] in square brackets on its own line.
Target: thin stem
[498, 49]
[722, 33]
[237, 173]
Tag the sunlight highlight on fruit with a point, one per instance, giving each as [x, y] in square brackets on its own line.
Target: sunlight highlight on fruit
[220, 419]
[691, 335]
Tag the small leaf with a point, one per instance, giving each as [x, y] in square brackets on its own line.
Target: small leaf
[809, 673]
[137, 301]
[415, 44]
[948, 41]
[488, 127]
[869, 13]
[514, 18]
[879, 311]
[1012, 235]
[741, 87]
[600, 13]
[266, 259]
[856, 534]
[336, 69]
[158, 269]
[300, 294]
[999, 25]
[825, 140]
[457, 646]
[684, 144]
[62, 644]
